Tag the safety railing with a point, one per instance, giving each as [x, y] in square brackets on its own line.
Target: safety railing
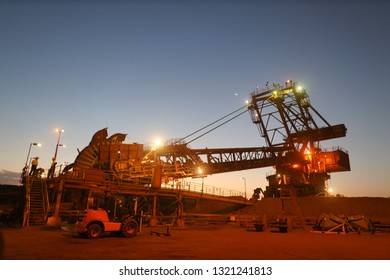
[183, 186]
[202, 188]
[46, 201]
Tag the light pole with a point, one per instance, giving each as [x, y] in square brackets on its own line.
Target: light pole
[54, 162]
[26, 165]
[29, 150]
[243, 178]
[59, 131]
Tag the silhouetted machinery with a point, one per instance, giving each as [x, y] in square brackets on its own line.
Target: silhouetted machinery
[289, 124]
[292, 129]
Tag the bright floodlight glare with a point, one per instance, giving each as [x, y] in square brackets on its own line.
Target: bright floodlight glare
[157, 143]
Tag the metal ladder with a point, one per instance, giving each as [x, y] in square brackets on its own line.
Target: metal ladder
[291, 208]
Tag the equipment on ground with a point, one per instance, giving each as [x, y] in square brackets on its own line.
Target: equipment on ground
[115, 218]
[95, 222]
[341, 224]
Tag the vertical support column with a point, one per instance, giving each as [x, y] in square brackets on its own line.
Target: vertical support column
[26, 214]
[55, 220]
[179, 218]
[90, 202]
[153, 220]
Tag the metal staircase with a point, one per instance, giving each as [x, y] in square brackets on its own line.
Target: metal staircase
[35, 212]
[291, 208]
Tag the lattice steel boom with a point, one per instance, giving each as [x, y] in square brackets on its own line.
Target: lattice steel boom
[291, 127]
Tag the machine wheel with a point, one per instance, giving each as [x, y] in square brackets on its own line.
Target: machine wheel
[129, 227]
[94, 231]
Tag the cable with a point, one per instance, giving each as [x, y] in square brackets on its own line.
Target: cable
[213, 124]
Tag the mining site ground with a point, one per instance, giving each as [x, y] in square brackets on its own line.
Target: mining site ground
[230, 241]
[216, 238]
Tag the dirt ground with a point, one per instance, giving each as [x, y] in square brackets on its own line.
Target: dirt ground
[216, 242]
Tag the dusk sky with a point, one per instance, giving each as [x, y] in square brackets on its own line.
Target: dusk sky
[163, 69]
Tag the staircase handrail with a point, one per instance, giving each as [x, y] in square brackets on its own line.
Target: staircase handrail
[46, 202]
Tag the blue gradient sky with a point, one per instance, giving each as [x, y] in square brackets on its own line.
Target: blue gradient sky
[163, 69]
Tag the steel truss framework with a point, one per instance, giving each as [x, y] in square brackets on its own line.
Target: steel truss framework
[292, 130]
[291, 127]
